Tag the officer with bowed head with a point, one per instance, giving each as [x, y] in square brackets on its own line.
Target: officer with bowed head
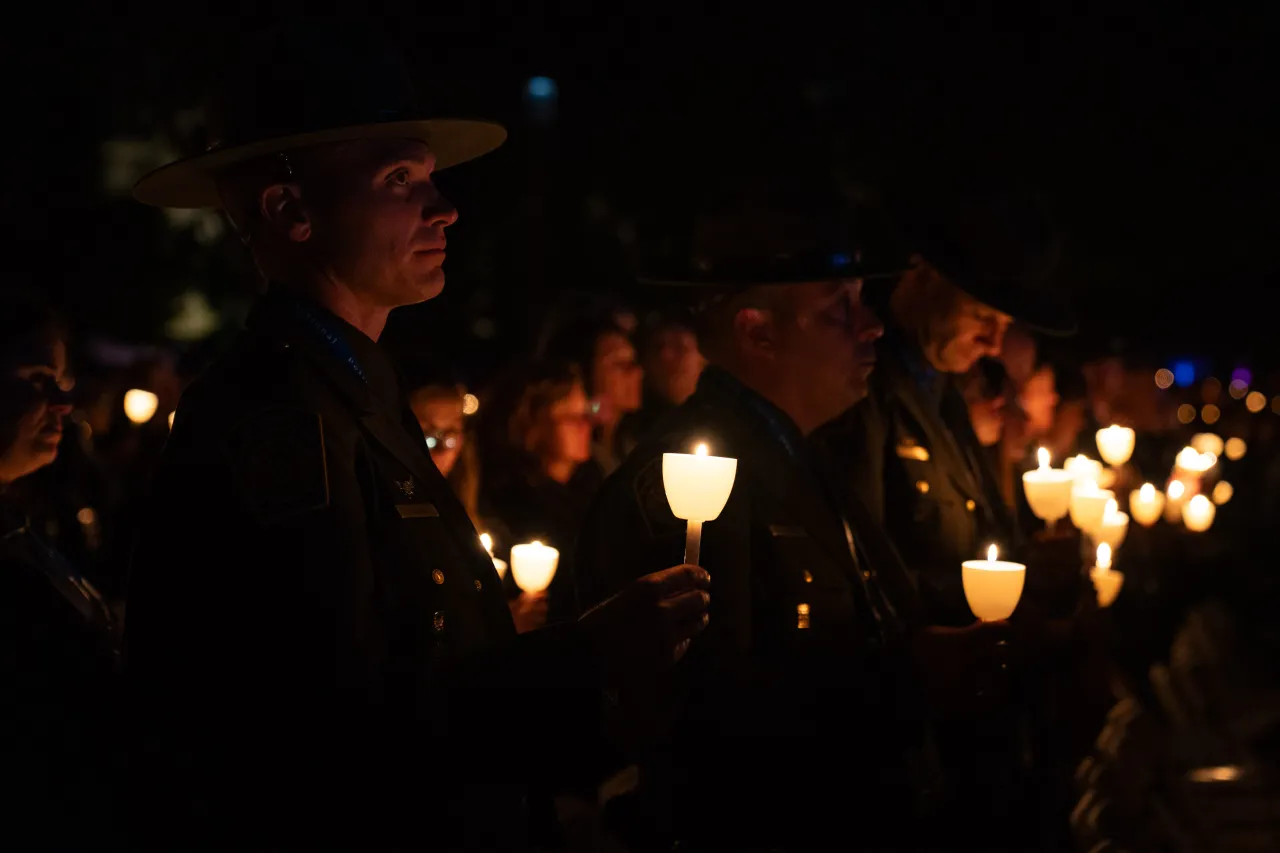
[320, 646]
[802, 710]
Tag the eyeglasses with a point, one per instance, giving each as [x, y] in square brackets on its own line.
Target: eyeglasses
[448, 439]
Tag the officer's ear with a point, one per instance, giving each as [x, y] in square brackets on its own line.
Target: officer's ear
[283, 212]
[754, 330]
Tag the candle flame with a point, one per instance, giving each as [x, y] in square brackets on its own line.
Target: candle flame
[487, 541]
[1043, 456]
[1176, 489]
[535, 543]
[1112, 508]
[991, 554]
[700, 450]
[1104, 557]
[1147, 493]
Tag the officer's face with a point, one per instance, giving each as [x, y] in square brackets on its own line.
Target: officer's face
[378, 226]
[827, 345]
[962, 331]
[34, 401]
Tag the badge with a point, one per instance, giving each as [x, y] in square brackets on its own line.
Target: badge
[406, 488]
[909, 448]
[278, 461]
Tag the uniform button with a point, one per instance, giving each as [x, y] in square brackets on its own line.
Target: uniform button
[922, 486]
[437, 576]
[969, 505]
[866, 575]
[477, 586]
[437, 621]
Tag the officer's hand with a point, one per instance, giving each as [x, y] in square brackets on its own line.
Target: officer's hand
[648, 626]
[529, 611]
[964, 669]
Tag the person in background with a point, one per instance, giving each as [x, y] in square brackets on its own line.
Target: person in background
[613, 378]
[542, 428]
[672, 363]
[438, 405]
[985, 394]
[61, 665]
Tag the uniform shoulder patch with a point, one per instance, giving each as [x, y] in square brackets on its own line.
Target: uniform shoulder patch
[278, 462]
[651, 497]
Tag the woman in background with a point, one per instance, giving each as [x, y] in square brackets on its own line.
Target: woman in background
[61, 664]
[535, 488]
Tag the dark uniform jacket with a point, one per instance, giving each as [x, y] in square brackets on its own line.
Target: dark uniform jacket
[61, 674]
[790, 708]
[909, 455]
[320, 644]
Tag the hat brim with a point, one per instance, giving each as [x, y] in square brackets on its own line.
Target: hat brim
[190, 183]
[1047, 312]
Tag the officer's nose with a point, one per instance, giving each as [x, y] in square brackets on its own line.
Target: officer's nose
[438, 211]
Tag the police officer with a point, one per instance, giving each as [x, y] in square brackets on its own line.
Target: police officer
[910, 455]
[321, 646]
[795, 716]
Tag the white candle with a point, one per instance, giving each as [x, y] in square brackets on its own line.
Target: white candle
[697, 487]
[1088, 506]
[1084, 469]
[533, 565]
[1207, 442]
[992, 587]
[1146, 504]
[1106, 582]
[140, 406]
[1048, 490]
[1175, 494]
[1194, 462]
[1198, 513]
[500, 565]
[1114, 526]
[1115, 444]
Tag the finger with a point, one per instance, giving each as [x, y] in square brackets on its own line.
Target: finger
[689, 628]
[684, 606]
[678, 579]
[681, 648]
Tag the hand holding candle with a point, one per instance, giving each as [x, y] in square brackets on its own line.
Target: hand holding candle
[1105, 581]
[697, 487]
[992, 587]
[1146, 505]
[533, 565]
[1048, 490]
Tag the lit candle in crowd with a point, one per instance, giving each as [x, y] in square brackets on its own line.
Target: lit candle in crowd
[1114, 526]
[533, 565]
[1106, 582]
[992, 587]
[1198, 513]
[697, 486]
[1048, 490]
[1115, 444]
[1146, 504]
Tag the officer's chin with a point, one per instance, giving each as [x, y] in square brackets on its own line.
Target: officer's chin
[429, 286]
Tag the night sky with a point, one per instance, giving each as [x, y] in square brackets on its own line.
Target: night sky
[1154, 138]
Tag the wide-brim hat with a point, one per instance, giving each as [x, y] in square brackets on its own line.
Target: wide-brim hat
[310, 84]
[739, 238]
[1000, 247]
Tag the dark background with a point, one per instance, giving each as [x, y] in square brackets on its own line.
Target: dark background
[1154, 136]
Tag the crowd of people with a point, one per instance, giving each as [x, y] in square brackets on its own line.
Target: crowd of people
[269, 620]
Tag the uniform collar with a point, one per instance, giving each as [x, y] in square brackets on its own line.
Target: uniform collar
[716, 382]
[340, 346]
